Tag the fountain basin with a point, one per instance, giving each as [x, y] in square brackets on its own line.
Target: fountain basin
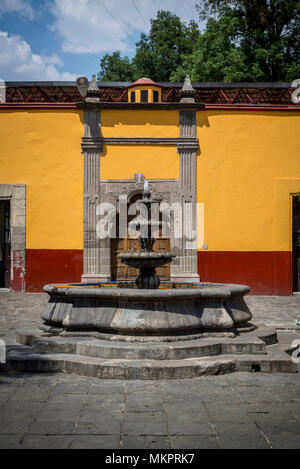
[146, 262]
[127, 311]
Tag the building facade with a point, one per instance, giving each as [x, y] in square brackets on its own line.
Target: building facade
[232, 149]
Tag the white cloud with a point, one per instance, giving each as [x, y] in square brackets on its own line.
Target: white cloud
[88, 26]
[20, 6]
[18, 62]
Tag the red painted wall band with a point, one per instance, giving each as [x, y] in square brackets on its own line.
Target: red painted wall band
[209, 107]
[267, 273]
[52, 266]
[38, 106]
[17, 282]
[252, 107]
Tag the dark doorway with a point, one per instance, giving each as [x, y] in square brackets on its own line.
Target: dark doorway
[4, 244]
[296, 243]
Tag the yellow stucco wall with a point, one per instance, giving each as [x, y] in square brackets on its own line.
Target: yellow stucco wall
[242, 156]
[41, 148]
[155, 161]
[248, 165]
[139, 123]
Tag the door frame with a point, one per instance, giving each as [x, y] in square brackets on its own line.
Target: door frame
[16, 195]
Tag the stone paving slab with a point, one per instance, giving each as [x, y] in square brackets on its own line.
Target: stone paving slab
[233, 411]
[241, 410]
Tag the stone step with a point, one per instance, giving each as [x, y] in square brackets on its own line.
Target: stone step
[176, 351]
[246, 344]
[21, 358]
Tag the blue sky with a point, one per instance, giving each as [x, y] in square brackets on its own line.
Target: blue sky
[63, 39]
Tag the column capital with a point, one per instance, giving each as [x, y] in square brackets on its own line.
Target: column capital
[91, 144]
[188, 146]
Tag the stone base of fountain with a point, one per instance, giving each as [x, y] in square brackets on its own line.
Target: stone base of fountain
[89, 354]
[184, 310]
[172, 332]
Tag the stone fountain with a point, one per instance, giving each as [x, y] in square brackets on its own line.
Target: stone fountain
[174, 309]
[147, 329]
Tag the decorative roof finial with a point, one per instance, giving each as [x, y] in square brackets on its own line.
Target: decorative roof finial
[187, 92]
[93, 92]
[82, 84]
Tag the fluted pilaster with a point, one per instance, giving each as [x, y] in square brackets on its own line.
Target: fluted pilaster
[185, 268]
[92, 245]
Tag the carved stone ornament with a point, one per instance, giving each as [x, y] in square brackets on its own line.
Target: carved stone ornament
[82, 84]
[187, 92]
[93, 92]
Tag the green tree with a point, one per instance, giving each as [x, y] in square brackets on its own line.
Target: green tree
[115, 68]
[216, 56]
[267, 34]
[157, 54]
[243, 40]
[161, 52]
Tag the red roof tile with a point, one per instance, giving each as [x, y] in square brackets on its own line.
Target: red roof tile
[144, 81]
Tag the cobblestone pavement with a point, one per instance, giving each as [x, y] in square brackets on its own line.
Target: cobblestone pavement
[241, 410]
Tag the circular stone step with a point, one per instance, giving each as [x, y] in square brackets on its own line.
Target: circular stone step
[23, 360]
[119, 360]
[251, 343]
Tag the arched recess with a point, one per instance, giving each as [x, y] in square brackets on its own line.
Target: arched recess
[119, 245]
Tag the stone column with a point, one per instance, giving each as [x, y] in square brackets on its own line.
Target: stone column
[93, 263]
[186, 269]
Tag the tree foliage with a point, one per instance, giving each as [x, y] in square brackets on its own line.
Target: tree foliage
[267, 35]
[243, 40]
[162, 51]
[115, 68]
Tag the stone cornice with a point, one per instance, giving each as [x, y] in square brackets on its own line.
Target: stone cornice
[141, 106]
[190, 142]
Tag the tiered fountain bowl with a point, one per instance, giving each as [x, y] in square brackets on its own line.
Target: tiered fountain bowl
[146, 260]
[147, 307]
